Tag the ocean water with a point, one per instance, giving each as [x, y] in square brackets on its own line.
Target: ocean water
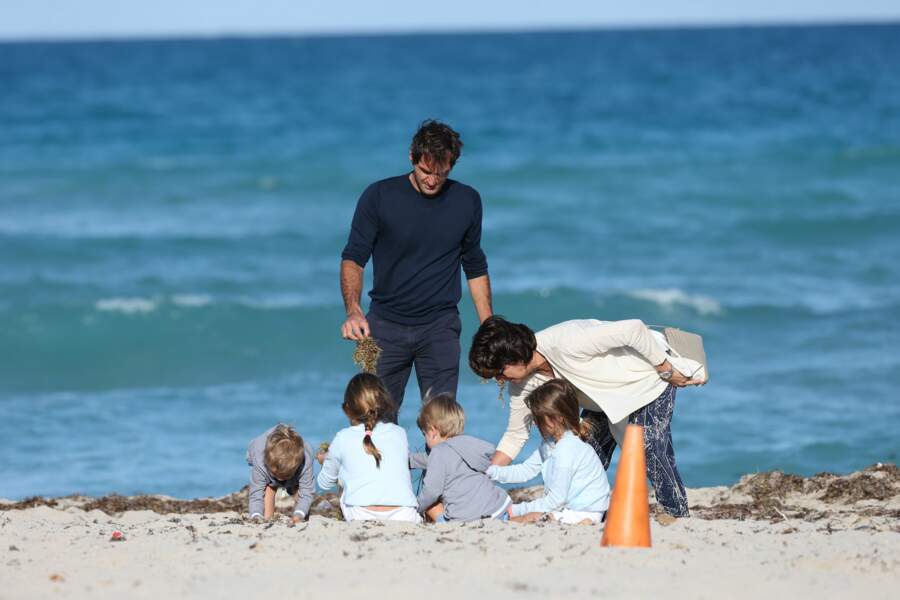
[172, 213]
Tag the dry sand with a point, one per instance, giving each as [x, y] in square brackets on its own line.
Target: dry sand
[770, 535]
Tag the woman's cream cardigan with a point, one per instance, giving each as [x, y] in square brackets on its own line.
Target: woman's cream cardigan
[610, 362]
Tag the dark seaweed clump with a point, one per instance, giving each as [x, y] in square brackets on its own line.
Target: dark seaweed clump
[771, 495]
[326, 505]
[366, 355]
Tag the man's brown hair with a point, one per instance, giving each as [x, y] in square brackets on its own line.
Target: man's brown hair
[443, 413]
[284, 452]
[436, 142]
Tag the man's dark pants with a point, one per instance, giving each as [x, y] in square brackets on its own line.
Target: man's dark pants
[433, 348]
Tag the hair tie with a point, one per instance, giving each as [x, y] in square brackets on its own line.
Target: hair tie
[368, 433]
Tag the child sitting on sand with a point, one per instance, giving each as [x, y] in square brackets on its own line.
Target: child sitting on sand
[455, 487]
[280, 459]
[576, 489]
[370, 458]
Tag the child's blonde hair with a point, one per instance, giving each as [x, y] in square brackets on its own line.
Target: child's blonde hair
[556, 402]
[284, 452]
[367, 401]
[443, 413]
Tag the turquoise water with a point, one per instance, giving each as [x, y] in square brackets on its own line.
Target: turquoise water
[172, 214]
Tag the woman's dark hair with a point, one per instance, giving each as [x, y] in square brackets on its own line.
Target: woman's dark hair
[435, 141]
[499, 343]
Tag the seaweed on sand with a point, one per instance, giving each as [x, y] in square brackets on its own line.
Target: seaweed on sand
[30, 502]
[878, 482]
[777, 496]
[771, 496]
[326, 505]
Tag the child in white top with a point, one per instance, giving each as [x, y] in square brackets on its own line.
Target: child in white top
[576, 489]
[370, 459]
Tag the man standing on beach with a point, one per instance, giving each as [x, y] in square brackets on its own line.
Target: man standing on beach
[419, 228]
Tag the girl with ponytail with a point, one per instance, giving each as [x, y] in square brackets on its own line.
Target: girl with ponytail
[576, 489]
[370, 458]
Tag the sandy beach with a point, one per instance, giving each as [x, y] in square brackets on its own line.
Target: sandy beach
[769, 535]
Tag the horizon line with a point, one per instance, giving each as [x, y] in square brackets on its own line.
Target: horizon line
[635, 26]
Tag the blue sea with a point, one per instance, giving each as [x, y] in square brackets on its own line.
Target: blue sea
[172, 215]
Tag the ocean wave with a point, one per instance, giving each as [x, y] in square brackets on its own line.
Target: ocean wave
[673, 296]
[734, 302]
[823, 230]
[159, 230]
[137, 305]
[596, 291]
[150, 341]
[524, 298]
[128, 306]
[191, 300]
[287, 301]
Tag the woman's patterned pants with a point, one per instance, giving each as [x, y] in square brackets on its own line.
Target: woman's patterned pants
[656, 419]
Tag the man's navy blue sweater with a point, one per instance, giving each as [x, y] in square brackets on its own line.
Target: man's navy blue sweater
[417, 245]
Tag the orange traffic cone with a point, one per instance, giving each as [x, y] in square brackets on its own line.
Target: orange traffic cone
[628, 519]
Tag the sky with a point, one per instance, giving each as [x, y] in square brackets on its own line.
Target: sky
[52, 19]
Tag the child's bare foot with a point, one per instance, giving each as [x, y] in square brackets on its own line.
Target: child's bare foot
[527, 518]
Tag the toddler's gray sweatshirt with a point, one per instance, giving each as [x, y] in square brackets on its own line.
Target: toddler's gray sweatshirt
[455, 475]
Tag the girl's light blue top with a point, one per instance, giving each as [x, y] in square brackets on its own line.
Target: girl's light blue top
[365, 484]
[574, 477]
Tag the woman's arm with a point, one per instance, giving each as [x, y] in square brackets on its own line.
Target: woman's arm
[518, 428]
[598, 338]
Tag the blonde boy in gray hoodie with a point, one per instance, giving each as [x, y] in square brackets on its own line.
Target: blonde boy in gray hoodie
[455, 487]
[279, 458]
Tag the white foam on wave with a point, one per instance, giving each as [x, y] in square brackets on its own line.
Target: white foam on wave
[290, 300]
[672, 296]
[128, 306]
[191, 300]
[137, 305]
